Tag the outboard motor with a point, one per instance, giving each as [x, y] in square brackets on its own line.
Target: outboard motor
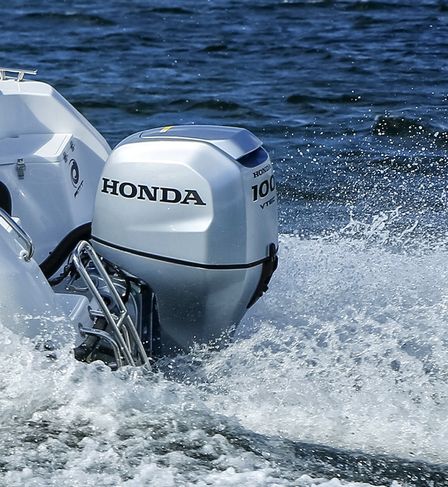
[191, 211]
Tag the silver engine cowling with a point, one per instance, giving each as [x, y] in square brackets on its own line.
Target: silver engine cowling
[192, 212]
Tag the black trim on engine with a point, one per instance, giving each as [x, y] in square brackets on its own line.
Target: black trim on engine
[182, 262]
[55, 260]
[254, 158]
[269, 266]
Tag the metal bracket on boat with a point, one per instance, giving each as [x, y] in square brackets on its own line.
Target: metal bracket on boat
[126, 344]
[10, 224]
[20, 167]
[83, 331]
[19, 74]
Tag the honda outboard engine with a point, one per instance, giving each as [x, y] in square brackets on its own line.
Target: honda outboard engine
[191, 211]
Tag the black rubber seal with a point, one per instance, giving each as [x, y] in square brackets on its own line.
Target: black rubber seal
[181, 262]
[269, 267]
[56, 258]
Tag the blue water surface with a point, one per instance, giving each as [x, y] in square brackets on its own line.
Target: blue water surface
[349, 96]
[310, 78]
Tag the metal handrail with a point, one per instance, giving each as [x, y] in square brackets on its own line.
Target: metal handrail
[124, 331]
[19, 72]
[29, 251]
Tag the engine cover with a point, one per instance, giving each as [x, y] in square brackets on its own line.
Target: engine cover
[191, 211]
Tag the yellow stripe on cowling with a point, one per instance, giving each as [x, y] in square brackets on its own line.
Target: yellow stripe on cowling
[165, 129]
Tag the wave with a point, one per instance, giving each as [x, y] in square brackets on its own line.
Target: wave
[390, 125]
[339, 371]
[377, 5]
[349, 349]
[216, 48]
[171, 10]
[69, 16]
[299, 98]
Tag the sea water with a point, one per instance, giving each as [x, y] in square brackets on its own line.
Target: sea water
[338, 376]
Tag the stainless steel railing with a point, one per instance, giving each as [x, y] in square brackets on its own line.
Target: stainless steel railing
[19, 74]
[9, 224]
[123, 337]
